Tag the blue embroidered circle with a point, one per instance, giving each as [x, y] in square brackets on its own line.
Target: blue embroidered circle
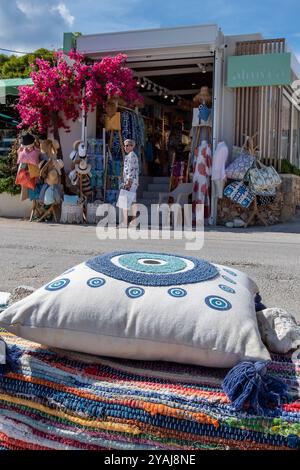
[152, 263]
[134, 292]
[153, 269]
[217, 303]
[228, 279]
[96, 282]
[229, 272]
[177, 292]
[57, 285]
[227, 288]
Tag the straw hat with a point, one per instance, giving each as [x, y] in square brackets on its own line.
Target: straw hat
[83, 167]
[52, 177]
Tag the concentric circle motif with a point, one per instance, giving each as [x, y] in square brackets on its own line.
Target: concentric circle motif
[57, 285]
[217, 303]
[227, 288]
[134, 292]
[152, 263]
[228, 279]
[177, 292]
[96, 282]
[230, 272]
[153, 269]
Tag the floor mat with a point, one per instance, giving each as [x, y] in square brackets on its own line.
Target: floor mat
[54, 399]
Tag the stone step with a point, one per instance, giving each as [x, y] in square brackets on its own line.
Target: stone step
[150, 195]
[158, 187]
[161, 179]
[147, 202]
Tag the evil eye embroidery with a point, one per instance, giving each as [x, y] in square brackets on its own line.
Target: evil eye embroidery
[217, 303]
[153, 269]
[227, 288]
[152, 263]
[96, 282]
[134, 292]
[230, 272]
[228, 279]
[177, 292]
[57, 285]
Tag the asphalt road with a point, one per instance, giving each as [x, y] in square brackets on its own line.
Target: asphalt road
[32, 254]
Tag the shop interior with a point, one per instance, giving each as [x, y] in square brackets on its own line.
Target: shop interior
[175, 117]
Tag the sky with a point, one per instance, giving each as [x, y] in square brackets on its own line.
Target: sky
[26, 25]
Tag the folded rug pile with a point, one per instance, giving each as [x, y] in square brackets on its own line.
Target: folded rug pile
[54, 399]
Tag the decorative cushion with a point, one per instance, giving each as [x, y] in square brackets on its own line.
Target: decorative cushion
[145, 306]
[237, 169]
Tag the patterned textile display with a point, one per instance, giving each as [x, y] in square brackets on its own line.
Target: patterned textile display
[239, 193]
[53, 399]
[263, 177]
[237, 169]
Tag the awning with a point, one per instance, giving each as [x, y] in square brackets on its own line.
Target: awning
[9, 86]
[11, 120]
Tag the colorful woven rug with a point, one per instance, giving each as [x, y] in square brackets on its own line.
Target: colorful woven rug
[60, 400]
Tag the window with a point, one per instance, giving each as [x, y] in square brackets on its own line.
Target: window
[286, 128]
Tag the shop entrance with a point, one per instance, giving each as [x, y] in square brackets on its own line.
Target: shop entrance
[170, 88]
[175, 118]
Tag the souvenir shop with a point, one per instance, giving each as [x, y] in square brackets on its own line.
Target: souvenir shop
[192, 127]
[174, 129]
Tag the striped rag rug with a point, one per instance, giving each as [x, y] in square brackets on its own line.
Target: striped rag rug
[54, 399]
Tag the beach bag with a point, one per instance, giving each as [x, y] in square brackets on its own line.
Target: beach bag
[237, 169]
[263, 178]
[239, 193]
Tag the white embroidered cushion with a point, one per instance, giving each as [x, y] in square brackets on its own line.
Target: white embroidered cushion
[147, 306]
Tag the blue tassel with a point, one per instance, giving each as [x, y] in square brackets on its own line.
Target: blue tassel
[258, 303]
[248, 386]
[12, 357]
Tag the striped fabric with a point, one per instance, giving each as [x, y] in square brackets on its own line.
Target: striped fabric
[60, 400]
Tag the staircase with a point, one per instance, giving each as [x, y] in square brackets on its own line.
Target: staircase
[150, 187]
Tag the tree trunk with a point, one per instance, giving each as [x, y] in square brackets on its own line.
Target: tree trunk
[59, 152]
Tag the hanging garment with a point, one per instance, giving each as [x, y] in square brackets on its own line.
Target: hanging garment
[201, 180]
[219, 162]
[202, 116]
[218, 174]
[28, 156]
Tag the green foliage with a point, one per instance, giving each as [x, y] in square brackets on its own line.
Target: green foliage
[19, 67]
[7, 185]
[287, 167]
[8, 171]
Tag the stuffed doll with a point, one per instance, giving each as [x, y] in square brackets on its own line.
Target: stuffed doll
[28, 161]
[51, 192]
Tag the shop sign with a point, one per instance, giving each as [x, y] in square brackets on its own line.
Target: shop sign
[259, 70]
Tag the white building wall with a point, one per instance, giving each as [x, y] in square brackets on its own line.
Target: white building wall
[67, 138]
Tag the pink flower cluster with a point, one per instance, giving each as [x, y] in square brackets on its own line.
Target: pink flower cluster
[60, 92]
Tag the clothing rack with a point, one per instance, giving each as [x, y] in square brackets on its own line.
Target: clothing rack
[128, 109]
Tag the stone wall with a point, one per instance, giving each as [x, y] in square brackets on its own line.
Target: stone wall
[281, 210]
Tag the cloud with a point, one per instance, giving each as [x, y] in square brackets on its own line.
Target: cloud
[27, 25]
[64, 13]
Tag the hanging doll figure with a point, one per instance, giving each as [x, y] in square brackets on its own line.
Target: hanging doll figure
[201, 180]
